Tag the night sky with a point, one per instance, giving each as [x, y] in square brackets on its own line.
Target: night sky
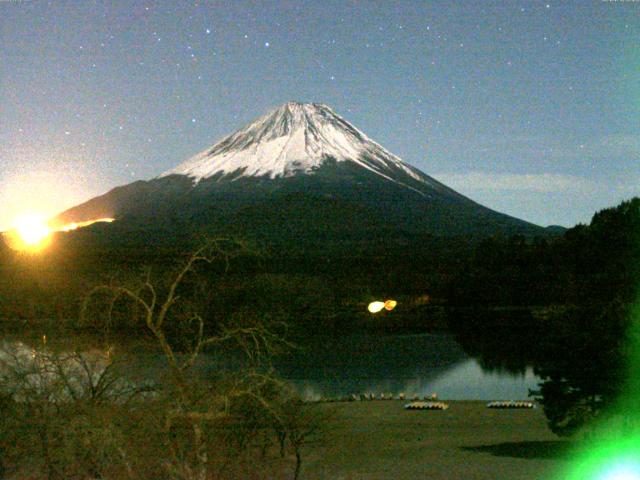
[530, 108]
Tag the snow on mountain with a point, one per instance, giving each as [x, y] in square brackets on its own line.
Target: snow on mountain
[295, 138]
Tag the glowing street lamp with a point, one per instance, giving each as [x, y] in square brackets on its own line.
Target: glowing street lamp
[377, 306]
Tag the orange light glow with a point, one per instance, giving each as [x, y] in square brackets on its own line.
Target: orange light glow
[377, 306]
[32, 230]
[76, 225]
[32, 234]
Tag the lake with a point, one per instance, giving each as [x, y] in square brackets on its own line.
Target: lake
[332, 367]
[413, 364]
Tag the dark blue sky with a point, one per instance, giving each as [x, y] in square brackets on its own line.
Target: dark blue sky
[531, 108]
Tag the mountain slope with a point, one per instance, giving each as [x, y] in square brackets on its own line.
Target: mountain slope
[295, 138]
[300, 174]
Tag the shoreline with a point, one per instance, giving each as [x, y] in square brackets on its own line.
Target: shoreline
[381, 440]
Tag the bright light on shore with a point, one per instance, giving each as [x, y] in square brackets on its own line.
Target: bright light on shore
[390, 305]
[375, 307]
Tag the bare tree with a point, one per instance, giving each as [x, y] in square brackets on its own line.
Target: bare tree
[53, 409]
[191, 403]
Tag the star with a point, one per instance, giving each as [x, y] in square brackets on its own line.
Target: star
[266, 44]
[208, 31]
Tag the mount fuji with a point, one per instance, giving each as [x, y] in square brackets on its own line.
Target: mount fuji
[301, 175]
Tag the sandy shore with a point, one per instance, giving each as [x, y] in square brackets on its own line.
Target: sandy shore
[381, 440]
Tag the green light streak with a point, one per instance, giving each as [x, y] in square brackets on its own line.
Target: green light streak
[613, 450]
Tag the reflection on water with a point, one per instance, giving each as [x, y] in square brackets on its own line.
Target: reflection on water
[467, 380]
[411, 364]
[336, 367]
[464, 380]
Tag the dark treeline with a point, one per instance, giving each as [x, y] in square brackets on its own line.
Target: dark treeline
[589, 264]
[578, 332]
[329, 289]
[325, 290]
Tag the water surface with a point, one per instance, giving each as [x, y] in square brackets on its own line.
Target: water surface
[333, 367]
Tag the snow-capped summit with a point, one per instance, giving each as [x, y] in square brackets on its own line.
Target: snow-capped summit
[294, 138]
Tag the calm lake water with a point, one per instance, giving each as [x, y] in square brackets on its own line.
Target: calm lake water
[336, 367]
[412, 364]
